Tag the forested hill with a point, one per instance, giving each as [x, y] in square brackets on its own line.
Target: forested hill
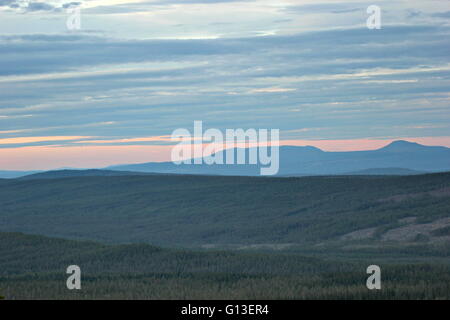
[68, 173]
[173, 210]
[34, 267]
[31, 253]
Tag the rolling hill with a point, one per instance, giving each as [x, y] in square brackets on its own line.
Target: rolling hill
[34, 267]
[160, 236]
[4, 174]
[238, 212]
[386, 172]
[70, 173]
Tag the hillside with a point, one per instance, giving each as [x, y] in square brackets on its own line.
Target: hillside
[31, 253]
[57, 174]
[386, 171]
[34, 267]
[215, 211]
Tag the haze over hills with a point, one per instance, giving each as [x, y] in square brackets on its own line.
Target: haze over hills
[6, 174]
[397, 158]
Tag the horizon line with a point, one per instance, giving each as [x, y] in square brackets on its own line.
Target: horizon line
[54, 157]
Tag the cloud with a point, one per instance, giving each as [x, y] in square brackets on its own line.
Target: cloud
[351, 82]
[444, 15]
[166, 138]
[272, 90]
[39, 6]
[5, 3]
[314, 71]
[64, 52]
[414, 13]
[71, 4]
[327, 7]
[27, 140]
[36, 6]
[148, 6]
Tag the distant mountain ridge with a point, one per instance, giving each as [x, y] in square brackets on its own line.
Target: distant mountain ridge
[69, 173]
[8, 174]
[308, 160]
[397, 158]
[386, 171]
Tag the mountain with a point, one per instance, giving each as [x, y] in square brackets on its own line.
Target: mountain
[407, 146]
[397, 158]
[301, 161]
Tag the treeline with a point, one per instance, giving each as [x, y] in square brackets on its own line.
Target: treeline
[418, 282]
[20, 254]
[33, 267]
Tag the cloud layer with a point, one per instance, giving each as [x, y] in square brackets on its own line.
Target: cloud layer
[310, 69]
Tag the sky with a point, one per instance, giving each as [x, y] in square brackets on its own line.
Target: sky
[114, 90]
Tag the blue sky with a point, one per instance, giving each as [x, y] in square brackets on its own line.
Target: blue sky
[142, 69]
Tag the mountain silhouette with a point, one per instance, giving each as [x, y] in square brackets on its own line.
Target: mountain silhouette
[308, 160]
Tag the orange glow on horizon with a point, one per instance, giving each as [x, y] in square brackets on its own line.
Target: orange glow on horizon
[59, 156]
[18, 140]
